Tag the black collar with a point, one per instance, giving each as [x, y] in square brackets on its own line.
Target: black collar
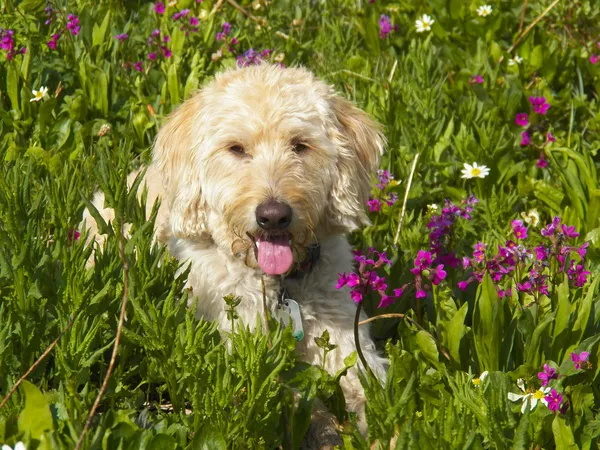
[313, 252]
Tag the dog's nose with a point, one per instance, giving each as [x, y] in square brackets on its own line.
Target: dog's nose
[273, 215]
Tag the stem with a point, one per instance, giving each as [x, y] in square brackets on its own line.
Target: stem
[403, 211]
[357, 341]
[113, 358]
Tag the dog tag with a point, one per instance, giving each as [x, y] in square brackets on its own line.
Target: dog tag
[290, 310]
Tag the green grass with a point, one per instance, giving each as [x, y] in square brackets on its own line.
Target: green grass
[98, 123]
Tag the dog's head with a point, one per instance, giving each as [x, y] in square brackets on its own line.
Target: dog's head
[265, 161]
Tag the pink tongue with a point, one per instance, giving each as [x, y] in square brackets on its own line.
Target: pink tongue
[275, 255]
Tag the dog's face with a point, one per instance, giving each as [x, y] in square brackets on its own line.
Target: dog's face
[266, 161]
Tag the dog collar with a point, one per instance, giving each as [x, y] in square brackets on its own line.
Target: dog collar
[313, 253]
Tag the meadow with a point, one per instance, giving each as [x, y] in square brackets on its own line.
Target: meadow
[480, 269]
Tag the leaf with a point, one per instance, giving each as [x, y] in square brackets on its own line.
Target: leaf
[208, 438]
[563, 313]
[173, 83]
[36, 416]
[162, 442]
[456, 331]
[99, 33]
[563, 435]
[533, 355]
[12, 86]
[583, 314]
[427, 346]
[488, 325]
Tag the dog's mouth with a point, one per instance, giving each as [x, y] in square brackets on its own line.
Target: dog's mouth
[273, 252]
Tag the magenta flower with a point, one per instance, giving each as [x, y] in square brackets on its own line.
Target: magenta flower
[152, 56]
[554, 399]
[423, 260]
[384, 178]
[73, 234]
[121, 37]
[594, 59]
[462, 285]
[476, 79]
[525, 139]
[53, 41]
[539, 104]
[73, 24]
[138, 66]
[356, 296]
[569, 231]
[520, 232]
[385, 26]
[194, 21]
[549, 373]
[159, 8]
[438, 274]
[550, 137]
[181, 14]
[541, 163]
[374, 205]
[421, 293]
[578, 359]
[522, 119]
[7, 43]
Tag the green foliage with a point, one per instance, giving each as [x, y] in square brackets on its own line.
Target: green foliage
[178, 383]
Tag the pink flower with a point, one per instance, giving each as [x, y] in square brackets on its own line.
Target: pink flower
[52, 42]
[554, 400]
[520, 232]
[138, 66]
[522, 119]
[421, 293]
[73, 235]
[594, 59]
[578, 359]
[569, 231]
[525, 139]
[194, 21]
[356, 296]
[549, 373]
[541, 163]
[550, 138]
[159, 8]
[121, 37]
[152, 56]
[423, 260]
[438, 274]
[540, 105]
[73, 24]
[476, 79]
[374, 205]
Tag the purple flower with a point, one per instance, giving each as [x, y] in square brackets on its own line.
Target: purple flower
[180, 14]
[252, 58]
[421, 293]
[384, 178]
[522, 119]
[541, 162]
[569, 231]
[73, 24]
[159, 8]
[194, 21]
[594, 59]
[525, 139]
[356, 296]
[550, 138]
[539, 104]
[549, 373]
[578, 359]
[554, 400]
[138, 66]
[385, 26]
[520, 232]
[391, 199]
[73, 234]
[121, 37]
[53, 40]
[476, 79]
[152, 56]
[462, 285]
[466, 262]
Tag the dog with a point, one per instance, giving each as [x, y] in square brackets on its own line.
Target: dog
[261, 174]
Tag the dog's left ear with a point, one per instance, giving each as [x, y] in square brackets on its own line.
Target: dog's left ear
[360, 142]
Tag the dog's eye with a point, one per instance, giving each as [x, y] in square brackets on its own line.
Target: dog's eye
[299, 147]
[237, 149]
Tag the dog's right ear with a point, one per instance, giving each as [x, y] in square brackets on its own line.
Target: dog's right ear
[175, 156]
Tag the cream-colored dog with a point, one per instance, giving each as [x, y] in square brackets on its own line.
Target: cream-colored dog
[261, 175]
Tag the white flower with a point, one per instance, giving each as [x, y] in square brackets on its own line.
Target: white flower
[484, 10]
[530, 398]
[39, 95]
[472, 171]
[18, 446]
[477, 381]
[424, 23]
[432, 207]
[515, 60]
[532, 217]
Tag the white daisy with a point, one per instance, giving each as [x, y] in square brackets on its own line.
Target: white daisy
[484, 10]
[39, 95]
[18, 446]
[424, 23]
[515, 60]
[531, 398]
[478, 381]
[473, 171]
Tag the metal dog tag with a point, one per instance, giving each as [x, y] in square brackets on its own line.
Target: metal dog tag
[290, 310]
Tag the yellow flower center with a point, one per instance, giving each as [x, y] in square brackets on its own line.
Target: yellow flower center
[476, 381]
[39, 94]
[538, 395]
[475, 172]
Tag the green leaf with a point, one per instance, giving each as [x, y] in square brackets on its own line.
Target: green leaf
[99, 33]
[36, 416]
[208, 438]
[12, 86]
[173, 83]
[456, 331]
[583, 314]
[488, 325]
[162, 442]
[561, 331]
[427, 346]
[563, 435]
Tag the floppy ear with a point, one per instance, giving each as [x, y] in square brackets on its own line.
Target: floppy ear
[175, 156]
[360, 144]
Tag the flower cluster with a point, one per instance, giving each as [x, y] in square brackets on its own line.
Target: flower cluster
[530, 268]
[7, 43]
[530, 397]
[385, 26]
[540, 107]
[187, 26]
[367, 278]
[138, 66]
[73, 24]
[252, 57]
[426, 270]
[385, 180]
[158, 46]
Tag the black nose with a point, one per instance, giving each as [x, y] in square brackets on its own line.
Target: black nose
[273, 215]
